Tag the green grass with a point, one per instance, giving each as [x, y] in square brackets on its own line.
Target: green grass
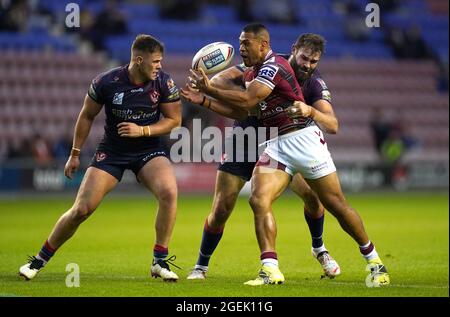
[114, 248]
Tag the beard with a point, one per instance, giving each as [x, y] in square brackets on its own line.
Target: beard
[303, 74]
[300, 73]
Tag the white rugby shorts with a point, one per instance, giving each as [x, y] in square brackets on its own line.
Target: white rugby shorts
[302, 151]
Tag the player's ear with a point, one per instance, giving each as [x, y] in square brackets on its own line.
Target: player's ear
[293, 50]
[264, 44]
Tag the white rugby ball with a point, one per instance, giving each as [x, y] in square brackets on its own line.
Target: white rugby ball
[213, 57]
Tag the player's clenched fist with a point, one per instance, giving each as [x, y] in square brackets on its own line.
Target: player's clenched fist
[300, 109]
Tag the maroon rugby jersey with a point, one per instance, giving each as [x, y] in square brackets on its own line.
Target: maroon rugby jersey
[277, 74]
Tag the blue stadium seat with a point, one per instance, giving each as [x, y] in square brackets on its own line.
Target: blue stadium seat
[35, 41]
[137, 11]
[221, 14]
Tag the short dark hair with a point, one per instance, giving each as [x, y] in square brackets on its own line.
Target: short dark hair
[312, 41]
[254, 28]
[147, 43]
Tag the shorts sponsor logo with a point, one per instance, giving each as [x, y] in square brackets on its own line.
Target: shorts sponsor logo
[100, 156]
[318, 166]
[148, 157]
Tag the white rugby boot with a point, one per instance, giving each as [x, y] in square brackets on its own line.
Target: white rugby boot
[29, 270]
[329, 265]
[197, 274]
[161, 269]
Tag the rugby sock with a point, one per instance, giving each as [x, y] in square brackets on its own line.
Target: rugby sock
[316, 229]
[210, 240]
[159, 253]
[368, 252]
[269, 258]
[46, 253]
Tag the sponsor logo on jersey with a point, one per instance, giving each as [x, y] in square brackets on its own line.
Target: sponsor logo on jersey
[137, 90]
[212, 59]
[326, 95]
[268, 71]
[262, 105]
[173, 96]
[170, 84]
[92, 92]
[118, 98]
[270, 112]
[100, 156]
[128, 114]
[173, 90]
[154, 96]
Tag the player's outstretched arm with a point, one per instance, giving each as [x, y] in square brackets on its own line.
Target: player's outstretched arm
[196, 97]
[244, 99]
[84, 122]
[230, 78]
[321, 112]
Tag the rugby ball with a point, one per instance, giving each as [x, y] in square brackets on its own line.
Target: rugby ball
[213, 57]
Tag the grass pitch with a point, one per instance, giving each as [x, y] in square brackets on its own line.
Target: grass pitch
[113, 249]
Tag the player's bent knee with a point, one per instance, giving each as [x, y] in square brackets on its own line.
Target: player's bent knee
[81, 212]
[334, 202]
[224, 203]
[167, 196]
[309, 197]
[221, 212]
[258, 202]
